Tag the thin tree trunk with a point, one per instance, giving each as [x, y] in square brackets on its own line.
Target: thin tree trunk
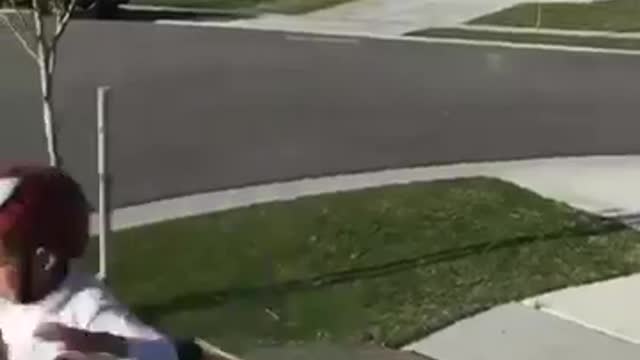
[46, 67]
[46, 87]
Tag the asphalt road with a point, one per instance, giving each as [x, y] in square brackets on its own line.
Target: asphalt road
[197, 109]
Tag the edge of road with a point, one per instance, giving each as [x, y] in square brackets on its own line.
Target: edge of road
[190, 10]
[427, 40]
[545, 31]
[527, 173]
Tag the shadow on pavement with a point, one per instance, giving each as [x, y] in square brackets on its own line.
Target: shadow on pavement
[219, 297]
[154, 15]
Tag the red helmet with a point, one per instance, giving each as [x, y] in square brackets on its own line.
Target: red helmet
[44, 207]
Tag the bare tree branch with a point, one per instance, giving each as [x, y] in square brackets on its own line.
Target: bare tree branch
[57, 8]
[23, 41]
[63, 21]
[41, 39]
[43, 50]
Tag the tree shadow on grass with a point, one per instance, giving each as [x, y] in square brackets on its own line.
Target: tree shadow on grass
[214, 298]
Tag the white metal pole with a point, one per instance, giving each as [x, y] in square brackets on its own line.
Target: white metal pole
[104, 211]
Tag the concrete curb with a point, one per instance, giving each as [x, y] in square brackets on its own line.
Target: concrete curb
[188, 10]
[200, 204]
[525, 173]
[545, 31]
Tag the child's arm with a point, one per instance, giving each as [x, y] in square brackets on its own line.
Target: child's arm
[111, 329]
[83, 341]
[140, 346]
[141, 341]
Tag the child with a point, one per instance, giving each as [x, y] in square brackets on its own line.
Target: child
[45, 308]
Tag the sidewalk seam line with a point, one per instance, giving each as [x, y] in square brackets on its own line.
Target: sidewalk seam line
[586, 325]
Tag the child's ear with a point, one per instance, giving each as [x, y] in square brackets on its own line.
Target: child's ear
[46, 258]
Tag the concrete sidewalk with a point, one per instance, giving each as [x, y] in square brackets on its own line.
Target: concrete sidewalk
[517, 332]
[595, 321]
[379, 17]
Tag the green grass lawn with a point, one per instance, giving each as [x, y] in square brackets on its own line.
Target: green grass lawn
[607, 15]
[383, 265]
[279, 6]
[531, 38]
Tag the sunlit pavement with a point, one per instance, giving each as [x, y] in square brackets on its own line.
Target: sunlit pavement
[605, 186]
[596, 321]
[381, 17]
[517, 332]
[607, 307]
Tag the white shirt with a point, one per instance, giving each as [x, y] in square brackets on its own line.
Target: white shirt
[81, 302]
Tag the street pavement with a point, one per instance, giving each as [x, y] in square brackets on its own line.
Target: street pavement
[203, 109]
